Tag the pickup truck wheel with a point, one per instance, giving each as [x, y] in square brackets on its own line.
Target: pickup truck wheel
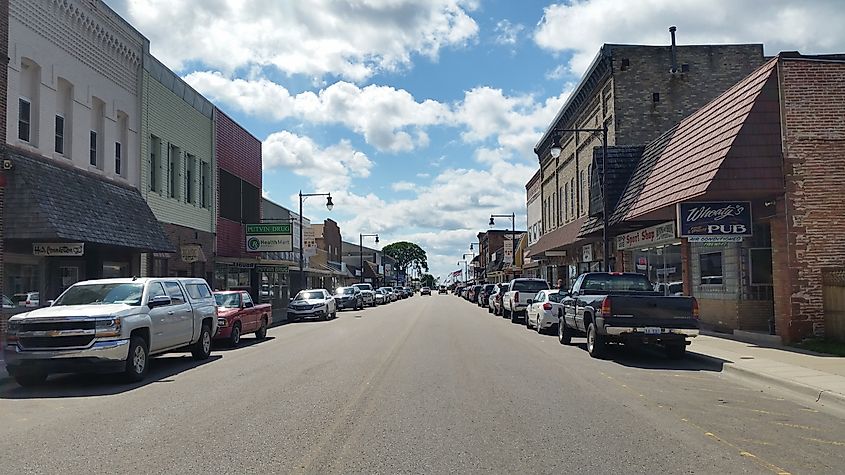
[489, 310]
[30, 378]
[564, 334]
[262, 332]
[235, 336]
[202, 348]
[675, 351]
[137, 360]
[596, 345]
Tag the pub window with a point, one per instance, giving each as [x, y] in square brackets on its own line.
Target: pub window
[24, 119]
[711, 268]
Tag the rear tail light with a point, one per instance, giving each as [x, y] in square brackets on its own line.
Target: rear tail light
[696, 313]
[605, 307]
[516, 296]
[547, 306]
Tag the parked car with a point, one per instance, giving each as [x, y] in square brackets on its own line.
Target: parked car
[442, 290]
[237, 314]
[381, 296]
[7, 303]
[515, 300]
[670, 288]
[397, 293]
[388, 293]
[111, 325]
[617, 307]
[27, 299]
[409, 292]
[349, 297]
[312, 303]
[484, 294]
[494, 305]
[425, 291]
[367, 293]
[544, 310]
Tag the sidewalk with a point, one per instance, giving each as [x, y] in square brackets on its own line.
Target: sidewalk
[817, 377]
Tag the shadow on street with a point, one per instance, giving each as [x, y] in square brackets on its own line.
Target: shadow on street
[652, 357]
[83, 385]
[246, 342]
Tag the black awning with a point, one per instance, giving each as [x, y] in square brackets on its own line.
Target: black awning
[48, 201]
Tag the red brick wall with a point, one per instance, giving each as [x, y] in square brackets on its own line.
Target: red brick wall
[332, 236]
[809, 237]
[238, 152]
[230, 239]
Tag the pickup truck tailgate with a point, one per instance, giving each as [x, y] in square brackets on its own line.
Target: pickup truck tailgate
[647, 310]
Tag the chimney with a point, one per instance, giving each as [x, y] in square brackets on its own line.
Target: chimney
[674, 54]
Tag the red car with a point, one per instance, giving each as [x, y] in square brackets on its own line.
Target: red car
[238, 314]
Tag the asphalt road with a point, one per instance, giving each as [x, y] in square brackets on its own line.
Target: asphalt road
[425, 385]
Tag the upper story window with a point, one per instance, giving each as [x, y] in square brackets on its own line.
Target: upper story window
[120, 155]
[24, 119]
[28, 103]
[155, 162]
[59, 146]
[92, 148]
[174, 162]
[96, 137]
[190, 178]
[205, 185]
[117, 158]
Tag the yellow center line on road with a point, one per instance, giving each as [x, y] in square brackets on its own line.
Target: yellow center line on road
[821, 441]
[742, 452]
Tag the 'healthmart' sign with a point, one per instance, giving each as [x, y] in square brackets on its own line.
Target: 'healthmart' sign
[269, 238]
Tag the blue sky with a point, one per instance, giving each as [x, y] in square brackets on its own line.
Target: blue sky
[420, 116]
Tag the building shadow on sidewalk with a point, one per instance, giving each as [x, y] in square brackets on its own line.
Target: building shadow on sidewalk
[85, 385]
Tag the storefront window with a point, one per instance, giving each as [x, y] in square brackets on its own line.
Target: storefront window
[21, 278]
[711, 268]
[662, 264]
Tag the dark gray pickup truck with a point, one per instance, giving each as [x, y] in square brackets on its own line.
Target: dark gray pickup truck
[617, 307]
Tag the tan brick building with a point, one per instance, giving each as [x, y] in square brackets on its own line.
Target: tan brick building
[632, 89]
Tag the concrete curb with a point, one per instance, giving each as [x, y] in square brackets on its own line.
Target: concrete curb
[814, 394]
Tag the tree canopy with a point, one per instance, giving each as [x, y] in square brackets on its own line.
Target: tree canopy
[407, 254]
[428, 280]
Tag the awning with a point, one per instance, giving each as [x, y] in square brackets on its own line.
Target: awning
[560, 237]
[51, 202]
[690, 156]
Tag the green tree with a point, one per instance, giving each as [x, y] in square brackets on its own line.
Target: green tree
[407, 254]
[428, 280]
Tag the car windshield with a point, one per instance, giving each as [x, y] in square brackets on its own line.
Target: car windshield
[345, 291]
[363, 286]
[229, 300]
[99, 294]
[529, 285]
[309, 295]
[597, 283]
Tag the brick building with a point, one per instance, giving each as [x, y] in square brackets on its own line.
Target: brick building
[178, 172]
[739, 205]
[73, 149]
[238, 156]
[633, 90]
[490, 265]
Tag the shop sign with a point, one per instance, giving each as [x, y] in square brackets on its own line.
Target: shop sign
[310, 242]
[718, 221]
[587, 253]
[191, 253]
[508, 250]
[50, 249]
[269, 238]
[646, 237]
[270, 269]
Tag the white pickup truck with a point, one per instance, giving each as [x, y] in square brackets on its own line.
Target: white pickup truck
[111, 325]
[515, 299]
[368, 294]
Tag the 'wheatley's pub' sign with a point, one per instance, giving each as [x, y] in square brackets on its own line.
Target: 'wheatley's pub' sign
[717, 221]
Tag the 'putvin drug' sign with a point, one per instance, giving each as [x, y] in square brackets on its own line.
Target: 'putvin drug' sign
[718, 221]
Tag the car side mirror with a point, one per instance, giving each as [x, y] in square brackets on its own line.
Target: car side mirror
[530, 301]
[159, 301]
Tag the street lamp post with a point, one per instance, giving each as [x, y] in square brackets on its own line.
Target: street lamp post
[555, 152]
[329, 205]
[361, 250]
[466, 268]
[512, 216]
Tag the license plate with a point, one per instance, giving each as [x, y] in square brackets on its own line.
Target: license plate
[652, 330]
